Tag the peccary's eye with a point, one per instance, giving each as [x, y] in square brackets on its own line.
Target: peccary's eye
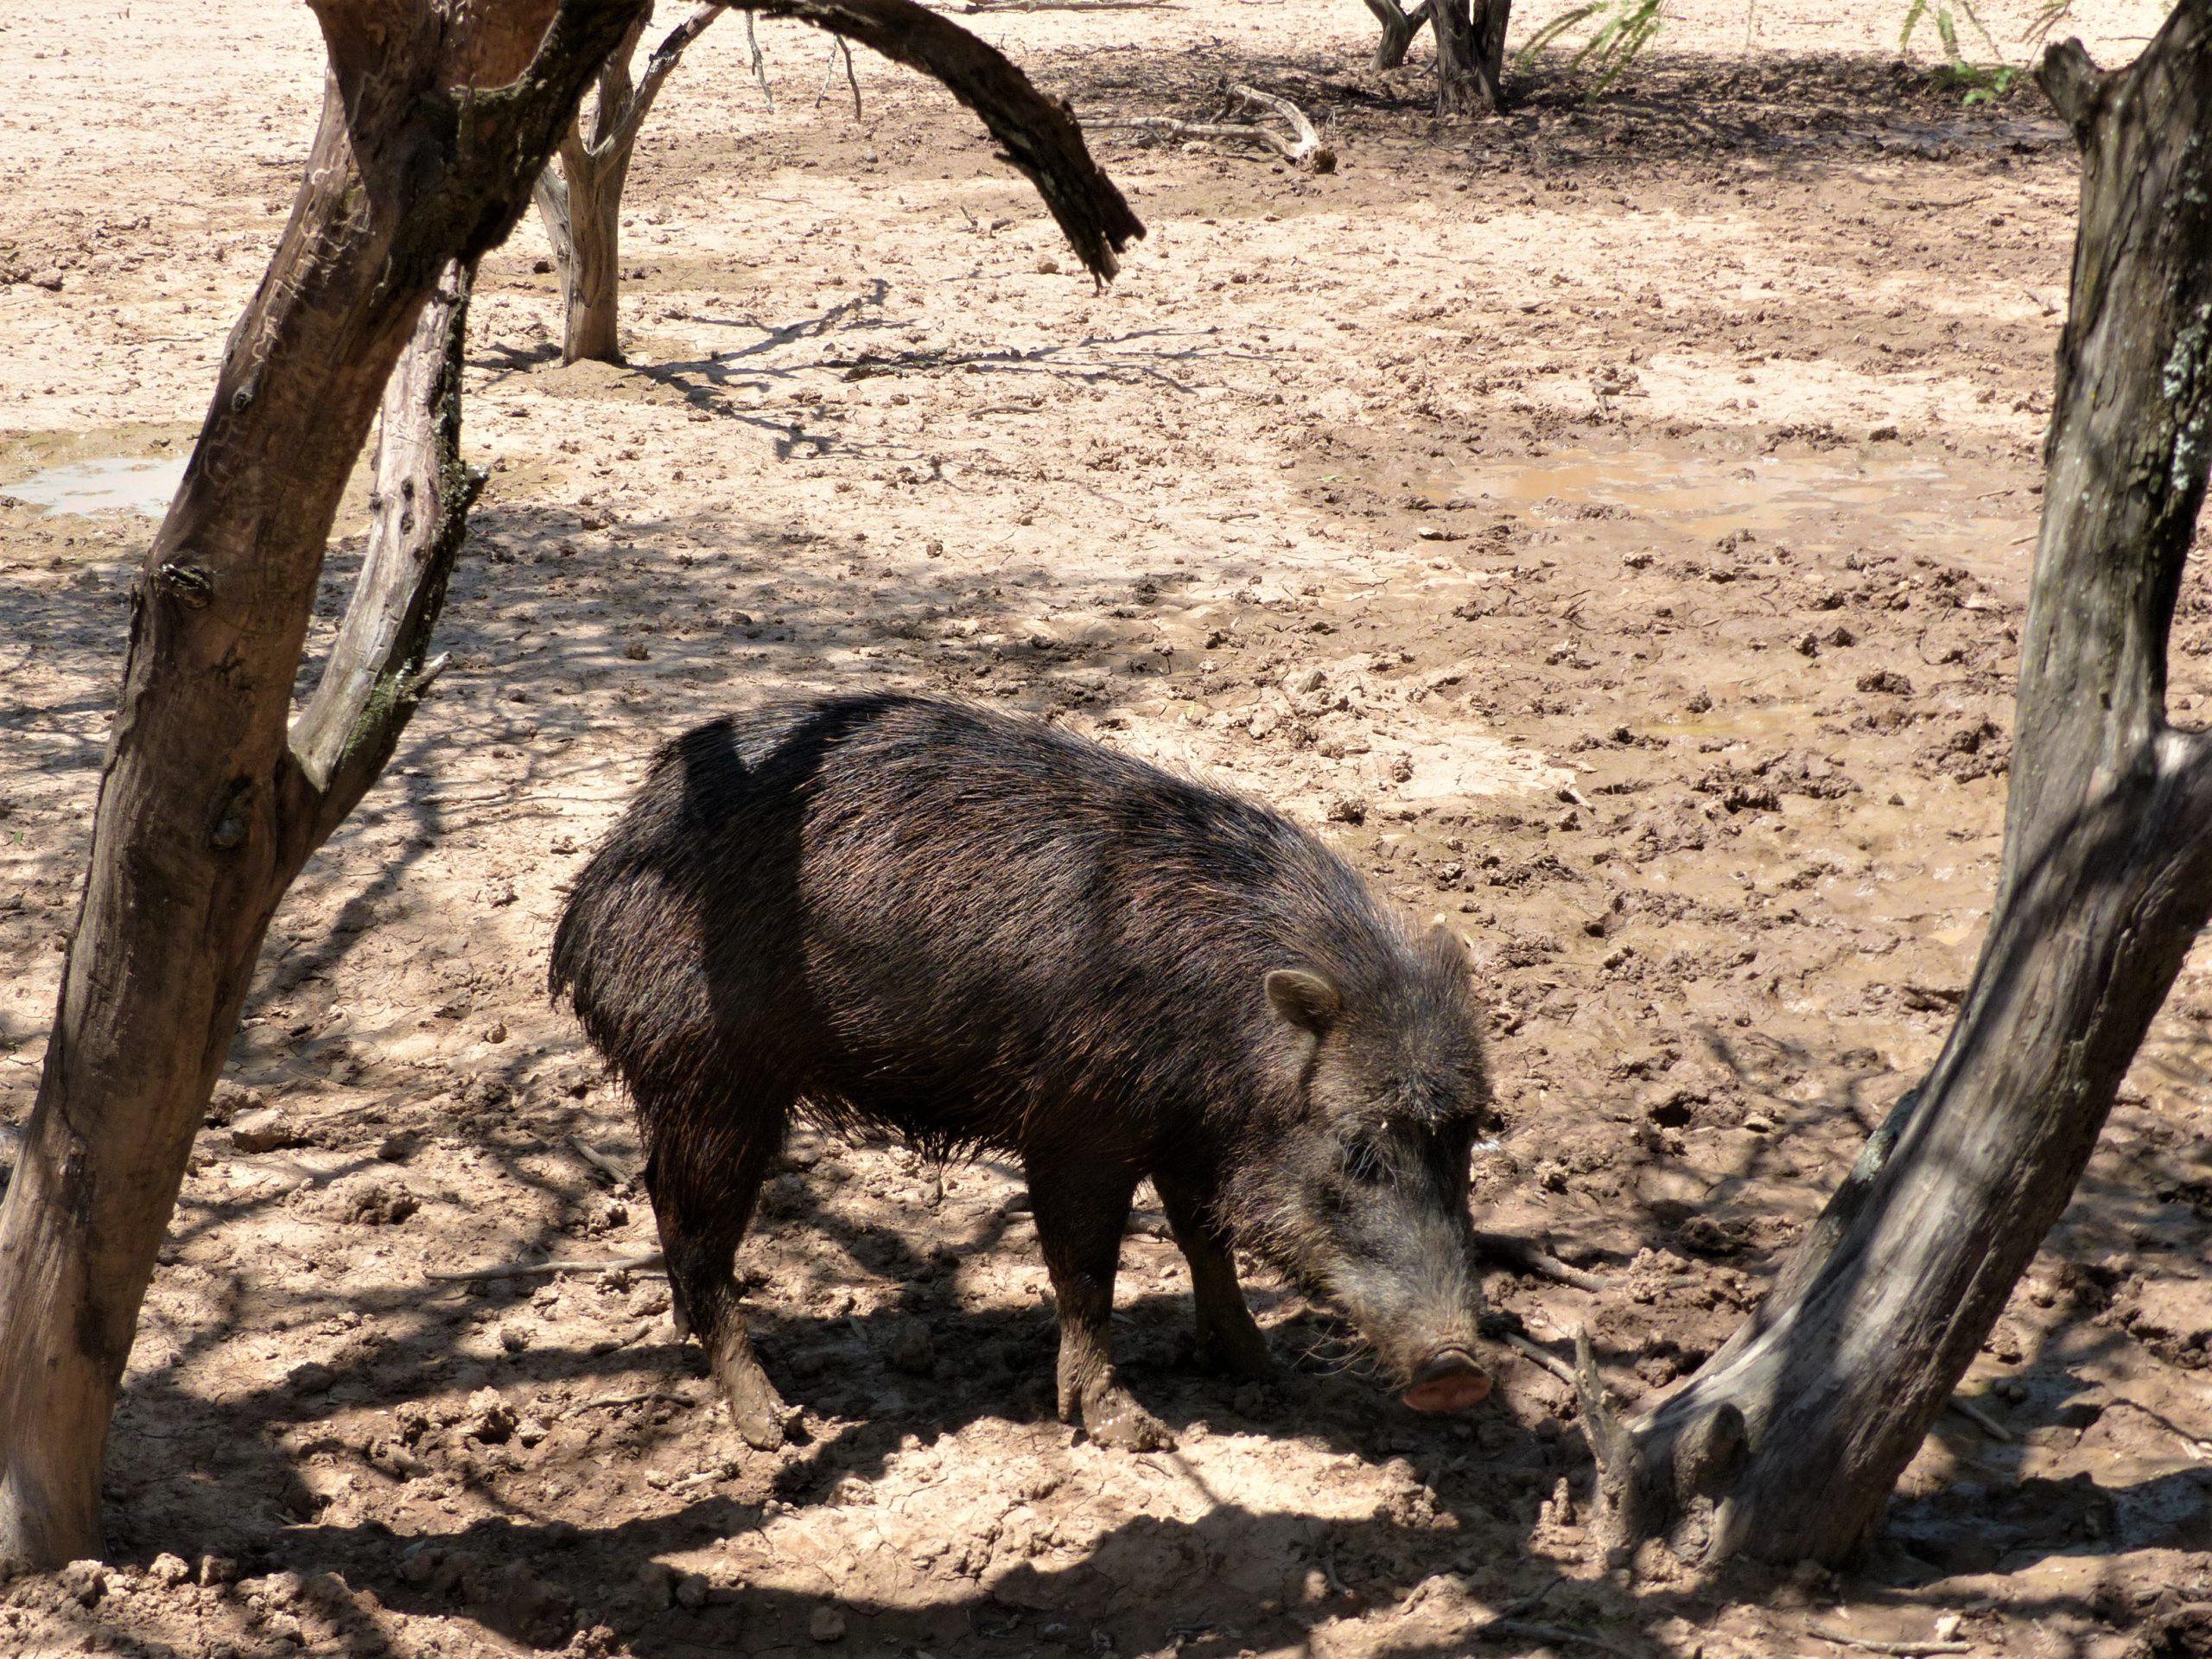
[1367, 1162]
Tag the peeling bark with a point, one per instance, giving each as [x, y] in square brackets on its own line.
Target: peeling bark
[1788, 1442]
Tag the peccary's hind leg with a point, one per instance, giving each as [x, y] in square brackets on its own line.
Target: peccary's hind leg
[1227, 1337]
[704, 1180]
[1080, 1214]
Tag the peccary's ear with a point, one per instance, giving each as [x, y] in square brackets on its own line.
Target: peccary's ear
[1448, 947]
[1304, 999]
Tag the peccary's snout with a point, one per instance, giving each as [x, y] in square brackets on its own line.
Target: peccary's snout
[1448, 1380]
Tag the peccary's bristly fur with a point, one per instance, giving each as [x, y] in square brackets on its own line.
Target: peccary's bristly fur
[979, 932]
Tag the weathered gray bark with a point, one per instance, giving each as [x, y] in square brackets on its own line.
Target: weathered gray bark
[580, 198]
[1400, 29]
[1471, 55]
[438, 117]
[1787, 1444]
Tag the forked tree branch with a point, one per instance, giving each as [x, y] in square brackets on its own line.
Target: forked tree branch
[664, 58]
[380, 665]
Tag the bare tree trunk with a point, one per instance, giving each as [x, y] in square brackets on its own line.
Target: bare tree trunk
[1471, 55]
[580, 197]
[437, 118]
[1788, 1443]
[1400, 29]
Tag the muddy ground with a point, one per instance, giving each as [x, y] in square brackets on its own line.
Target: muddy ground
[1609, 525]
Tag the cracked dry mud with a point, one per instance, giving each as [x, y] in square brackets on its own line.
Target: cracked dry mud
[1609, 525]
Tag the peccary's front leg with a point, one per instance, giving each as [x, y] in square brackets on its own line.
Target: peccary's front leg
[1080, 1216]
[704, 1188]
[1228, 1338]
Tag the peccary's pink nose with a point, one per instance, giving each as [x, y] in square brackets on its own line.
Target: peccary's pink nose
[1448, 1380]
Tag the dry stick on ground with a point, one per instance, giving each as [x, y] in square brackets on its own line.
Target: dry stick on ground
[649, 1261]
[1527, 1257]
[1869, 1644]
[1788, 1442]
[1981, 1419]
[580, 198]
[1303, 148]
[1550, 1362]
[437, 118]
[599, 1160]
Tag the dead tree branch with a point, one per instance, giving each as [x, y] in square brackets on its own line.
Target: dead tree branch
[380, 665]
[1302, 147]
[1039, 135]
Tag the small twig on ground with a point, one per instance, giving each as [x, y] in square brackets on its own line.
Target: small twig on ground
[1530, 1604]
[529, 1269]
[1558, 1367]
[613, 1401]
[1530, 1258]
[1975, 1415]
[599, 1160]
[1868, 1645]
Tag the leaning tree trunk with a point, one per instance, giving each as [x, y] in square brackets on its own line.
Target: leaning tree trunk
[1471, 55]
[1787, 1444]
[438, 116]
[1400, 29]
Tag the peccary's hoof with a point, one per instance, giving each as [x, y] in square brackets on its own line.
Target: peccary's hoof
[1450, 1381]
[754, 1406]
[1114, 1418]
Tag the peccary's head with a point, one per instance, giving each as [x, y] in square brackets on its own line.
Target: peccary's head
[1364, 1195]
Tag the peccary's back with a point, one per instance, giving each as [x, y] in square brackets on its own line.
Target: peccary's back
[951, 921]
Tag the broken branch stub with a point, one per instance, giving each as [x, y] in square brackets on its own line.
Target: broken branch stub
[1796, 1431]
